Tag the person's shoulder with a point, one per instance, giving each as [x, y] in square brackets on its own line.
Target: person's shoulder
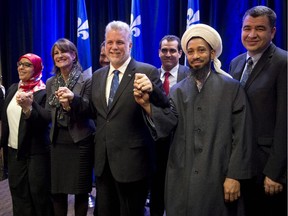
[40, 93]
[13, 86]
[225, 78]
[50, 79]
[281, 52]
[100, 70]
[184, 68]
[140, 64]
[237, 58]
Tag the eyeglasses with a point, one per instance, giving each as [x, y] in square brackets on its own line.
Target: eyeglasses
[24, 64]
[171, 51]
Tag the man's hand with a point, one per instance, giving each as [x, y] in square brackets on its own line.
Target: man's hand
[143, 83]
[271, 187]
[231, 190]
[142, 88]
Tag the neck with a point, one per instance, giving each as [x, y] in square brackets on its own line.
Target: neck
[65, 72]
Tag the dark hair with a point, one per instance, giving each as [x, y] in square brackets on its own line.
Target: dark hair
[102, 44]
[171, 38]
[262, 11]
[65, 45]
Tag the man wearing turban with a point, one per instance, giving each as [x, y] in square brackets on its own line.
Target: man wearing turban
[210, 152]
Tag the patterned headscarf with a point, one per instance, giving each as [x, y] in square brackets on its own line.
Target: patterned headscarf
[34, 83]
[211, 36]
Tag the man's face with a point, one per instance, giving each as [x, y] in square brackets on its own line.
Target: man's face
[199, 54]
[256, 34]
[169, 54]
[117, 47]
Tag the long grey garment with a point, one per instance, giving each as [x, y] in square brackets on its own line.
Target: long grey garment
[212, 141]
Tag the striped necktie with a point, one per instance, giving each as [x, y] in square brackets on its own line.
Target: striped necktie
[247, 71]
[114, 86]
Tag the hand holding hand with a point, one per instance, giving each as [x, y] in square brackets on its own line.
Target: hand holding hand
[143, 83]
[65, 96]
[25, 100]
[142, 87]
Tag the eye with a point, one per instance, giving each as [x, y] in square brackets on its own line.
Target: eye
[24, 64]
[164, 50]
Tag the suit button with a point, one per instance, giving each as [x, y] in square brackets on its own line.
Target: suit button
[199, 108]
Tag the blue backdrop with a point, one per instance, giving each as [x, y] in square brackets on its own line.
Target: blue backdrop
[33, 26]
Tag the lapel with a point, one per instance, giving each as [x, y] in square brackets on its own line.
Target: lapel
[126, 79]
[262, 62]
[11, 93]
[182, 73]
[239, 68]
[79, 84]
[102, 82]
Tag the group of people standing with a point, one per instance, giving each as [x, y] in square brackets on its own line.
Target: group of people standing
[199, 140]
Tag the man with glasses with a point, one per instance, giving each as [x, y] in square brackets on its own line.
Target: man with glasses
[171, 72]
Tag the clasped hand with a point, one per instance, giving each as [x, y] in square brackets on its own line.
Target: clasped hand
[24, 99]
[142, 87]
[65, 96]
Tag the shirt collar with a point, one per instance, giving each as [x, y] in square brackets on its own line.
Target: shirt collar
[122, 68]
[173, 71]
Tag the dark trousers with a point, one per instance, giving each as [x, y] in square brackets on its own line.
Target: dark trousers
[29, 182]
[158, 179]
[121, 199]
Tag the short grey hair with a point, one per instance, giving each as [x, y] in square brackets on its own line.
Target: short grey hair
[119, 26]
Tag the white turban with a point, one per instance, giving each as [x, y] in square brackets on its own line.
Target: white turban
[211, 36]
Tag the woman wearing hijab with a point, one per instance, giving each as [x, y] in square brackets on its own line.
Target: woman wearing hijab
[71, 135]
[25, 134]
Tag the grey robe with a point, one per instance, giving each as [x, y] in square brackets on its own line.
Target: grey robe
[211, 142]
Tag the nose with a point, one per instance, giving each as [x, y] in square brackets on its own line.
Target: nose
[195, 55]
[114, 46]
[168, 53]
[252, 33]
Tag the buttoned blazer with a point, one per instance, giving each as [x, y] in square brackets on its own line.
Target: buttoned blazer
[266, 88]
[32, 132]
[122, 138]
[79, 126]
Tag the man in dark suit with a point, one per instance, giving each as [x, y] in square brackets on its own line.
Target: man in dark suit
[170, 52]
[266, 88]
[123, 144]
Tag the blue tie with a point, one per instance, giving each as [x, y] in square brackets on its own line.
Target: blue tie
[114, 86]
[247, 71]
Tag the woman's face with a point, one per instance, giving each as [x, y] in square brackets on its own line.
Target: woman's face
[63, 60]
[25, 69]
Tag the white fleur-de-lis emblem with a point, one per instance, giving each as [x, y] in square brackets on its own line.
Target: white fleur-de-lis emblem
[82, 29]
[192, 17]
[133, 26]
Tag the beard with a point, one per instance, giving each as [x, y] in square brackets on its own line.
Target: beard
[200, 73]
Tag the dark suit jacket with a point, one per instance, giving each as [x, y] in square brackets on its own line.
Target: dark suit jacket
[33, 132]
[122, 137]
[267, 93]
[79, 126]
